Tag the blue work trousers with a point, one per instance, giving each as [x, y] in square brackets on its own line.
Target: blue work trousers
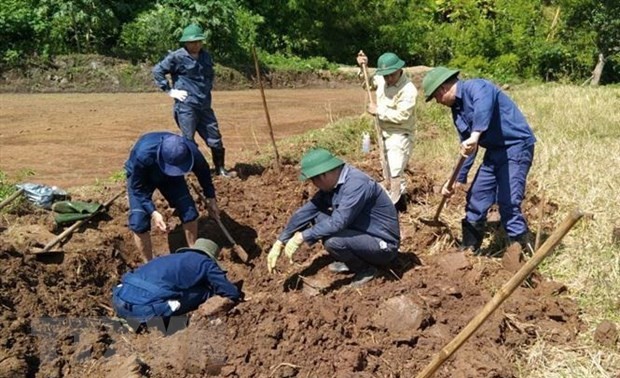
[357, 249]
[502, 176]
[192, 119]
[176, 192]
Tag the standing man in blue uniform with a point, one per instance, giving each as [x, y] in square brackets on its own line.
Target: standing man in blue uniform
[351, 214]
[159, 160]
[192, 74]
[485, 116]
[175, 284]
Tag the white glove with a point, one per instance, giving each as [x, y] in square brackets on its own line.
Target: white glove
[178, 94]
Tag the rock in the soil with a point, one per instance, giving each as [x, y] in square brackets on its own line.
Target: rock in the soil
[400, 316]
[513, 258]
[454, 262]
[606, 334]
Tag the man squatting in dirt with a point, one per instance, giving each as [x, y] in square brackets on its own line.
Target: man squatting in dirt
[159, 160]
[394, 109]
[484, 115]
[192, 74]
[351, 214]
[175, 284]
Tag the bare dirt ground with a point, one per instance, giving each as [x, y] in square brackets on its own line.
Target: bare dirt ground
[300, 322]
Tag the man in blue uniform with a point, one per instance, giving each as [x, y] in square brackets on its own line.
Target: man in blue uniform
[191, 71]
[175, 284]
[485, 116]
[159, 160]
[351, 214]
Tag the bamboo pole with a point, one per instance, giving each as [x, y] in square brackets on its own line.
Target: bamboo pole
[77, 224]
[262, 93]
[502, 294]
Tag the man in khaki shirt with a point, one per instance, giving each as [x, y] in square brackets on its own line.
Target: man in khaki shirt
[394, 109]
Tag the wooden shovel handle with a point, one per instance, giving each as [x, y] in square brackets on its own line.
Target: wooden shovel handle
[12, 197]
[451, 180]
[79, 223]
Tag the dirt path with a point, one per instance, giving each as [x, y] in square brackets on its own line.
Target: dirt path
[73, 139]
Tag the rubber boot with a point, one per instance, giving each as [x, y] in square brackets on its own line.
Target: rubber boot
[472, 235]
[218, 161]
[525, 241]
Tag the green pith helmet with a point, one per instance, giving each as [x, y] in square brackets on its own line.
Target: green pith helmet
[206, 246]
[316, 162]
[434, 78]
[389, 63]
[192, 33]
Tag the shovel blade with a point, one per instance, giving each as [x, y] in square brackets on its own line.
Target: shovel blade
[433, 222]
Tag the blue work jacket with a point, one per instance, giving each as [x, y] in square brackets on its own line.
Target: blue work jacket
[144, 174]
[481, 106]
[357, 203]
[188, 277]
[192, 75]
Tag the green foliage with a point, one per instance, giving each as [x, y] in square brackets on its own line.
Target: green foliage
[550, 39]
[6, 188]
[295, 63]
[151, 34]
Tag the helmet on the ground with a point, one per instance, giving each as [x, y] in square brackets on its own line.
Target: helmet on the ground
[192, 33]
[316, 162]
[434, 78]
[389, 63]
[174, 155]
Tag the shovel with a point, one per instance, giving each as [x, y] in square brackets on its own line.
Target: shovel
[239, 250]
[435, 222]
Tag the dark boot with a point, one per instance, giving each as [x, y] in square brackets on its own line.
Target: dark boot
[472, 235]
[218, 161]
[525, 241]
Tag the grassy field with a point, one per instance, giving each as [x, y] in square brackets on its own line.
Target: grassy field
[576, 165]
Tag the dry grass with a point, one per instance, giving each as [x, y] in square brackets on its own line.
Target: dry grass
[577, 165]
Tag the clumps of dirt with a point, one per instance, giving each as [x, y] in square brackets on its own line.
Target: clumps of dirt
[56, 318]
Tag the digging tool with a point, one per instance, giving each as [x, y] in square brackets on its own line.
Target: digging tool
[243, 255]
[262, 93]
[435, 222]
[77, 224]
[508, 288]
[11, 198]
[380, 141]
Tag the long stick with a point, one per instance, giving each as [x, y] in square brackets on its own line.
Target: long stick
[12, 197]
[502, 294]
[262, 93]
[384, 162]
[77, 224]
[243, 255]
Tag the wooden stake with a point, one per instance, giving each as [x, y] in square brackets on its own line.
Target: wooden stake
[502, 294]
[262, 93]
[77, 224]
